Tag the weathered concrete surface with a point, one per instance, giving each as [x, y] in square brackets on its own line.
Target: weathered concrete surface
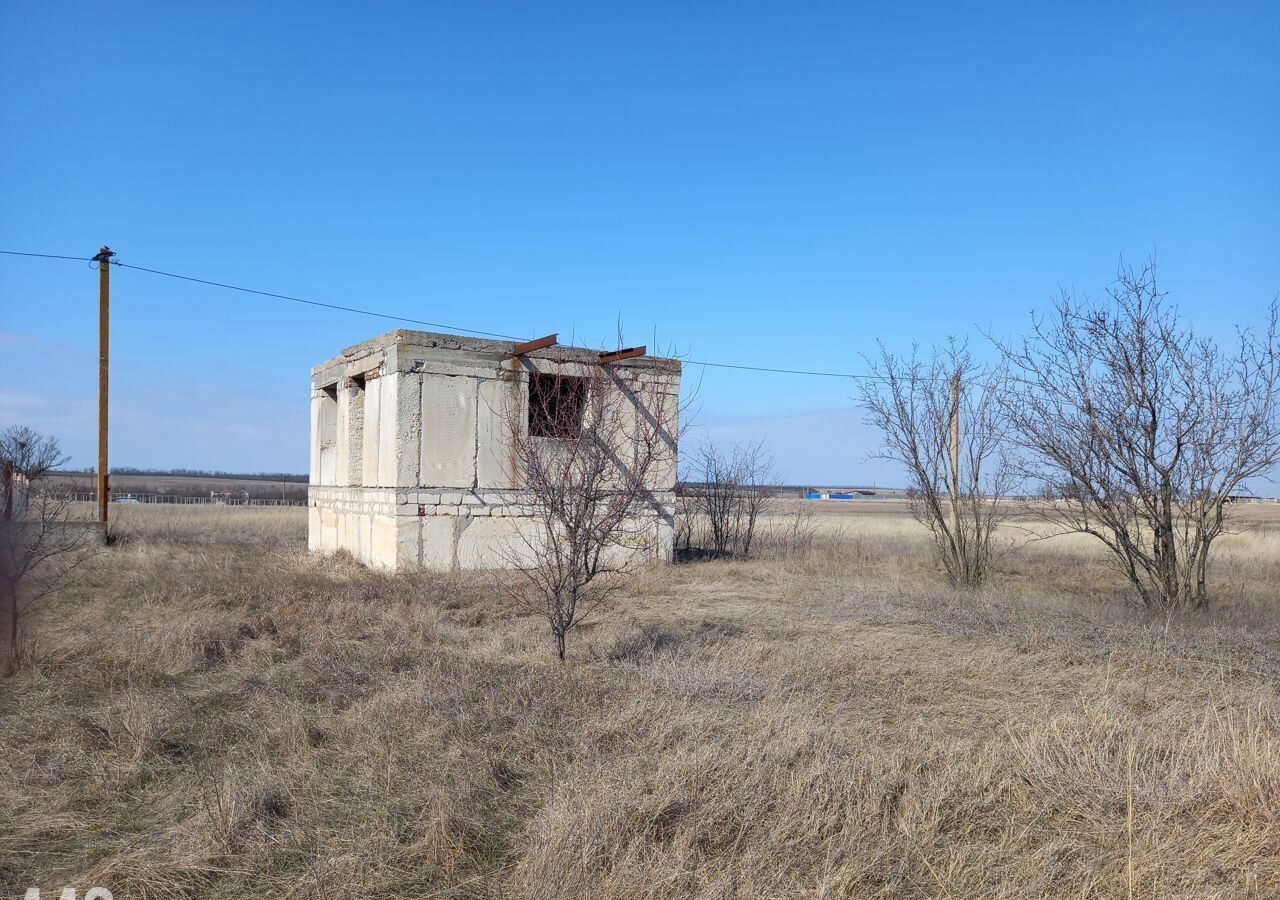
[387, 432]
[372, 432]
[413, 463]
[501, 402]
[438, 540]
[448, 431]
[487, 543]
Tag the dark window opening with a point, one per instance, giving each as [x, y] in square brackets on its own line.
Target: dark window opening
[556, 403]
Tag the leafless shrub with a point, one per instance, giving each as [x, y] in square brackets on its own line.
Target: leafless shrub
[686, 519]
[1145, 430]
[794, 532]
[40, 547]
[731, 489]
[923, 406]
[589, 449]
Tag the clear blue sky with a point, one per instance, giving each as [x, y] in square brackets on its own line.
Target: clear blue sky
[772, 184]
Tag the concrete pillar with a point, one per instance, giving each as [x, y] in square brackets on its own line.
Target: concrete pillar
[372, 431]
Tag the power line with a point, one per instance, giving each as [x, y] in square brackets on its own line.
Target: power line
[45, 255]
[412, 321]
[390, 316]
[698, 362]
[350, 309]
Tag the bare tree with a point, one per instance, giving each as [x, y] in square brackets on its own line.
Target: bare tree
[32, 454]
[731, 489]
[924, 407]
[714, 487]
[1145, 430]
[590, 448]
[758, 481]
[40, 549]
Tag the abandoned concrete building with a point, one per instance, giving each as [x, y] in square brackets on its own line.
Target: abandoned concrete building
[414, 438]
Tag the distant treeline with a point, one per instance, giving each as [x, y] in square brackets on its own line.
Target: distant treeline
[198, 473]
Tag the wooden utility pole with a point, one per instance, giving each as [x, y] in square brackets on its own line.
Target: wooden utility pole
[955, 456]
[104, 352]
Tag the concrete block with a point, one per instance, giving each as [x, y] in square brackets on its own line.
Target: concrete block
[443, 361]
[315, 440]
[341, 446]
[328, 531]
[664, 548]
[408, 544]
[448, 431]
[363, 523]
[388, 430]
[344, 527]
[437, 537]
[353, 439]
[384, 546]
[409, 428]
[363, 365]
[450, 499]
[372, 432]
[502, 404]
[501, 543]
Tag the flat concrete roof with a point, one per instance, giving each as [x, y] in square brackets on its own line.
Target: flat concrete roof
[405, 337]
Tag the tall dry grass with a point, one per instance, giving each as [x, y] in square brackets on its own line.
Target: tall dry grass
[213, 713]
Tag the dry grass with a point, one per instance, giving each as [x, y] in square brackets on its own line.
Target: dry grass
[215, 714]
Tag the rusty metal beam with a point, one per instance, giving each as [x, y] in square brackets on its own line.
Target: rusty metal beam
[529, 346]
[614, 356]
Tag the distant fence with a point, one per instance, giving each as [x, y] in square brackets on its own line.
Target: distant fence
[173, 500]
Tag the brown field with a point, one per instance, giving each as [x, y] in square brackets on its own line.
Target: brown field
[214, 714]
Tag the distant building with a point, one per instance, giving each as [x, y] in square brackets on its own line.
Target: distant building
[837, 494]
